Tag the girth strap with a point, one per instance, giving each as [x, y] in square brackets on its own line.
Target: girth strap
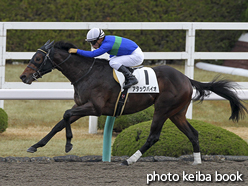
[121, 102]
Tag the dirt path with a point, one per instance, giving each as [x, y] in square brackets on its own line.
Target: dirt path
[112, 174]
[240, 131]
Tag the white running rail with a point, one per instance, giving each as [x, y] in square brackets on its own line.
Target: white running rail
[18, 90]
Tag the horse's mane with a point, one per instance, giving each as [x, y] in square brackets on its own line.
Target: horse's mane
[67, 45]
[64, 45]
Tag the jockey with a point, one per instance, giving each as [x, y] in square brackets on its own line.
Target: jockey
[123, 52]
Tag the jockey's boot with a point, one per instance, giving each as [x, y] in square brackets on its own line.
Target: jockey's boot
[130, 78]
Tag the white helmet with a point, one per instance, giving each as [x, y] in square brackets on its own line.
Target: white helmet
[94, 34]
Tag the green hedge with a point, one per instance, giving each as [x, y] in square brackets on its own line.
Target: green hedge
[3, 120]
[125, 121]
[125, 11]
[213, 141]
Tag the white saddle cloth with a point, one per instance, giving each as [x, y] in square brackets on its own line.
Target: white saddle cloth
[147, 81]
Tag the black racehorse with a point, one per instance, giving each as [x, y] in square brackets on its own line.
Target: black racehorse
[96, 93]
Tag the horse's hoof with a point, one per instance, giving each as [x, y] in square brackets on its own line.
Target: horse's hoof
[196, 163]
[68, 148]
[124, 163]
[32, 149]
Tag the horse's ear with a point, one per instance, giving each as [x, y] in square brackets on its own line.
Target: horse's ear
[47, 42]
[48, 46]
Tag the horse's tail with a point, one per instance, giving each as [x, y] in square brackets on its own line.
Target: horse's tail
[223, 88]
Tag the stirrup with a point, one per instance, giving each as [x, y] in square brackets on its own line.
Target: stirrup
[129, 84]
[132, 69]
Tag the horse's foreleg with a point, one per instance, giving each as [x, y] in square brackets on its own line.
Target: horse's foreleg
[58, 127]
[68, 132]
[68, 146]
[78, 111]
[153, 137]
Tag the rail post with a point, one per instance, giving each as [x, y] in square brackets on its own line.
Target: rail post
[107, 138]
[2, 58]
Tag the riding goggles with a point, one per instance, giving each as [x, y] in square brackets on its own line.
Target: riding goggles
[93, 42]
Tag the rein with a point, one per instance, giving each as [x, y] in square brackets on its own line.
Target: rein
[48, 56]
[55, 65]
[86, 73]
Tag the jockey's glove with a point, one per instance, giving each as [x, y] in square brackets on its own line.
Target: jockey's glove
[72, 50]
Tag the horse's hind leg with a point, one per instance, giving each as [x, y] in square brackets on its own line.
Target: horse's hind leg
[183, 125]
[156, 127]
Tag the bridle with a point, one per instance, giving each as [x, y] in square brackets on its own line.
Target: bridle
[39, 71]
[47, 63]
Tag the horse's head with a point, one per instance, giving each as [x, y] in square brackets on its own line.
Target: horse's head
[39, 65]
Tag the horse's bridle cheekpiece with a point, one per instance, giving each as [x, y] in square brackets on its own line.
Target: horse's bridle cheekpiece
[47, 65]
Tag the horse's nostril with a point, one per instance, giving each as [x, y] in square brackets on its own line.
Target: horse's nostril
[23, 77]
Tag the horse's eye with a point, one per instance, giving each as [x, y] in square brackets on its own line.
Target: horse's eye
[38, 59]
